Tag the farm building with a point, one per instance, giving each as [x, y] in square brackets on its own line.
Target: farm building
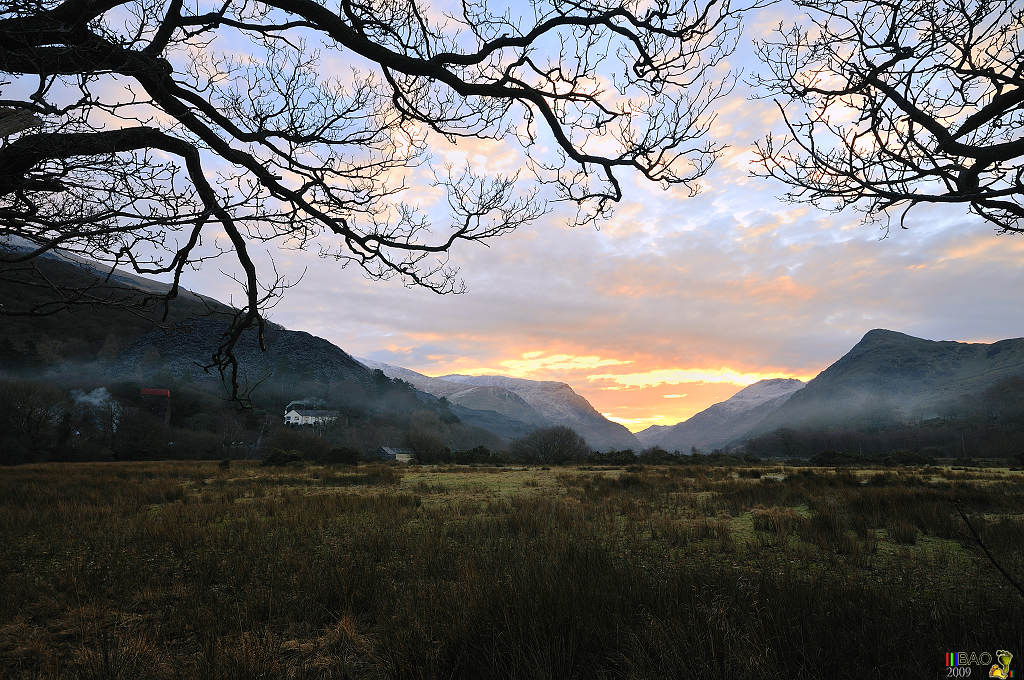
[157, 401]
[307, 403]
[395, 454]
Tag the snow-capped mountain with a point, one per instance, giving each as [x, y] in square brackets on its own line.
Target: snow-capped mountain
[724, 422]
[541, 403]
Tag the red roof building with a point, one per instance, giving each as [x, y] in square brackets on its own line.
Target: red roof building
[153, 392]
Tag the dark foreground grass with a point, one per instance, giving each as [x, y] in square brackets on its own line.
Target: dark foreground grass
[168, 570]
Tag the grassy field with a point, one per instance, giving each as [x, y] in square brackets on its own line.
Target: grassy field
[179, 569]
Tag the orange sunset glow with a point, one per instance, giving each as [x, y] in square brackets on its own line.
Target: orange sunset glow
[633, 392]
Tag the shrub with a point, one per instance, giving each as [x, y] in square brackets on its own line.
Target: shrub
[827, 527]
[557, 444]
[299, 440]
[342, 455]
[780, 521]
[280, 458]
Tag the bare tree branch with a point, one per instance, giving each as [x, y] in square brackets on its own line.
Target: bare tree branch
[163, 123]
[889, 105]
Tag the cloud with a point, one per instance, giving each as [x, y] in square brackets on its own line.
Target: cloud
[677, 376]
[532, 363]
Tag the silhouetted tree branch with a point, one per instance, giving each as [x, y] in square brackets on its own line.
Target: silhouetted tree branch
[889, 105]
[153, 134]
[1012, 581]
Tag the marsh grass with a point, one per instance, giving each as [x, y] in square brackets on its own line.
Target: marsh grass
[781, 522]
[902, 532]
[167, 570]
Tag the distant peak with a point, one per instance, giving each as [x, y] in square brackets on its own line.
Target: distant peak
[884, 334]
[778, 381]
[766, 389]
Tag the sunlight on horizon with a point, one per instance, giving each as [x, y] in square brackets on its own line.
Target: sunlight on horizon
[624, 398]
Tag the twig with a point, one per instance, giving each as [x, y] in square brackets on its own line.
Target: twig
[988, 554]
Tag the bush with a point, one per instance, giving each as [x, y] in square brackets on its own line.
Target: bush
[342, 455]
[280, 458]
[780, 521]
[557, 444]
[298, 439]
[659, 456]
[624, 457]
[477, 454]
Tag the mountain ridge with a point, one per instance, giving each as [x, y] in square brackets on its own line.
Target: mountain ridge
[553, 402]
[721, 423]
[894, 376]
[887, 376]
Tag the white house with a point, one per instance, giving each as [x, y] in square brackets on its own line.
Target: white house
[302, 416]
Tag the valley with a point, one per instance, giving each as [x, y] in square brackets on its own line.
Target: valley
[890, 393]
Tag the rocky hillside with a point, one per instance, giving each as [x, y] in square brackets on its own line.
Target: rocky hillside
[489, 398]
[650, 435]
[562, 406]
[724, 422]
[182, 350]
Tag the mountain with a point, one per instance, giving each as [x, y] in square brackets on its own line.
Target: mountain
[295, 356]
[485, 398]
[539, 403]
[722, 423]
[296, 363]
[114, 315]
[650, 435]
[114, 339]
[893, 377]
[498, 423]
[562, 406]
[130, 337]
[886, 378]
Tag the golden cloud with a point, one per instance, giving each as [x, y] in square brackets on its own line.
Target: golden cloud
[676, 376]
[531, 363]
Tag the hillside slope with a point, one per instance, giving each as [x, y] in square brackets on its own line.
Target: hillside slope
[113, 341]
[893, 377]
[114, 319]
[294, 356]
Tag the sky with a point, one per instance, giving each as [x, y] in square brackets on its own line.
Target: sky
[675, 303]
